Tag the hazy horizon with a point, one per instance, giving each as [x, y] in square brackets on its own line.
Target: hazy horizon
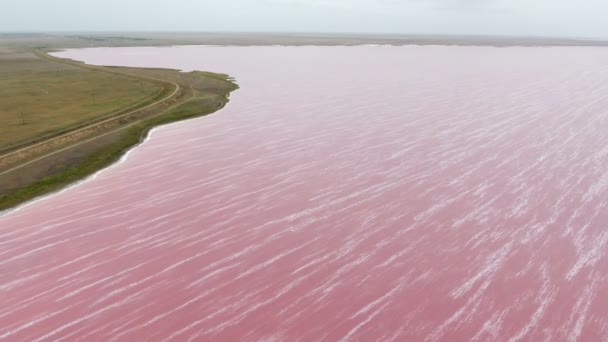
[536, 18]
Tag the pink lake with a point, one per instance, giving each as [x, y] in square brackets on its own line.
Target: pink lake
[345, 193]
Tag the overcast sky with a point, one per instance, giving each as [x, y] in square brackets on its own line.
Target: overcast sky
[564, 18]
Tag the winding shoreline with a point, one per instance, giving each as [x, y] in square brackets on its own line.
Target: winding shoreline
[124, 131]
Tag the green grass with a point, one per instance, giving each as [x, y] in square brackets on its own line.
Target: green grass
[40, 98]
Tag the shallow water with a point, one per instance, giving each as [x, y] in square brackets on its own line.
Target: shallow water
[364, 193]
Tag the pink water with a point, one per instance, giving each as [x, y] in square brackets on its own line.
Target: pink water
[354, 193]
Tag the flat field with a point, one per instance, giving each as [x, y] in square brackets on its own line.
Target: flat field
[39, 97]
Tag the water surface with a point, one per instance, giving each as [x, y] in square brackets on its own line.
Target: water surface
[356, 193]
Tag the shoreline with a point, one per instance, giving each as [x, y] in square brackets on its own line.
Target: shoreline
[88, 178]
[123, 158]
[124, 136]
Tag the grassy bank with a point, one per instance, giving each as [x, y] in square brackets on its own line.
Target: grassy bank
[131, 136]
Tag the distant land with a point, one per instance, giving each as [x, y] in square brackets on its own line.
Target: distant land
[83, 39]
